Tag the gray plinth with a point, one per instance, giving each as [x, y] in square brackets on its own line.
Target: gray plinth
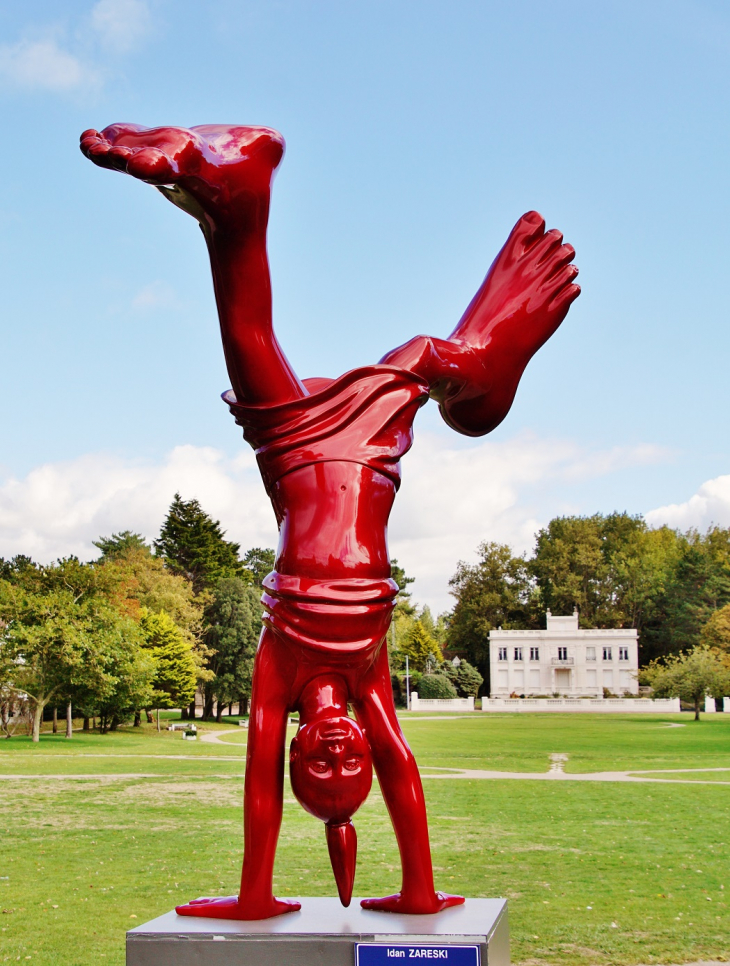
[321, 934]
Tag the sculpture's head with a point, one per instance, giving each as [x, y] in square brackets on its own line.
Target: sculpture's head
[331, 774]
[331, 768]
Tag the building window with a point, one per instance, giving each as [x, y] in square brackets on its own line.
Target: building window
[518, 654]
[607, 655]
[534, 653]
[562, 653]
[623, 654]
[503, 654]
[590, 654]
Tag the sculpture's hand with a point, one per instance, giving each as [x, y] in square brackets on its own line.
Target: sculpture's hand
[411, 905]
[231, 907]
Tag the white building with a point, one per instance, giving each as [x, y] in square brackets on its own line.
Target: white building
[563, 660]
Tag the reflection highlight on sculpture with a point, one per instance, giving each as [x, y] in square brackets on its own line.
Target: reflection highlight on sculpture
[329, 453]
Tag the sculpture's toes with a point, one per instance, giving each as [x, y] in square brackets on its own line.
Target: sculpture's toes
[528, 230]
[122, 147]
[151, 165]
[544, 248]
[562, 300]
[146, 162]
[96, 148]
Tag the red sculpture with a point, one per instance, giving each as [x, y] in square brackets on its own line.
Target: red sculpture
[329, 453]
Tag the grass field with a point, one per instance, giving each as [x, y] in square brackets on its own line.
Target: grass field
[101, 833]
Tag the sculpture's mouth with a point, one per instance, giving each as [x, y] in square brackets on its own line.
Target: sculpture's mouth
[335, 734]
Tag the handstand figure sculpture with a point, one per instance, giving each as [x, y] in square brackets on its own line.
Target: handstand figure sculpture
[329, 453]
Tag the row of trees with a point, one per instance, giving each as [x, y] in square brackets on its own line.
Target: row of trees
[142, 627]
[673, 587]
[148, 626]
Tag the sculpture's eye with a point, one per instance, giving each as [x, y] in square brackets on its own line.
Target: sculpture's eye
[319, 766]
[352, 764]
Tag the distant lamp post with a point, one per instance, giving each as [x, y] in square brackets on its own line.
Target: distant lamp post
[408, 687]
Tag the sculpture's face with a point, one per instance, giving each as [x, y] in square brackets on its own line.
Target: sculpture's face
[331, 768]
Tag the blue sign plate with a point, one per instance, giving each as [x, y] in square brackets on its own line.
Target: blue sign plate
[390, 954]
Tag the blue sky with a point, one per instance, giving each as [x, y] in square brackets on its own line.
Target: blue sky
[416, 135]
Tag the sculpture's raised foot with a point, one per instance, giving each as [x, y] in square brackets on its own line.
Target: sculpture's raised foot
[413, 906]
[231, 907]
[526, 294]
[221, 170]
[522, 301]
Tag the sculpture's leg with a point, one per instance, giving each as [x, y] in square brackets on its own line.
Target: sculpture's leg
[221, 174]
[263, 795]
[403, 793]
[522, 301]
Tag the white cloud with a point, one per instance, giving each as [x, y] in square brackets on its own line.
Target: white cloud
[40, 62]
[59, 508]
[710, 504]
[121, 25]
[44, 65]
[451, 500]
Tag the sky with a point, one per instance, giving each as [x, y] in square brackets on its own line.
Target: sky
[417, 134]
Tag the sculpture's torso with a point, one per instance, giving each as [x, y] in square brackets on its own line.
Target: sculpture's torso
[333, 519]
[330, 462]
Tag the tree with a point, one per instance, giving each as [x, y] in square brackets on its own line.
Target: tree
[175, 678]
[63, 635]
[398, 574]
[642, 573]
[435, 628]
[193, 544]
[258, 562]
[496, 592]
[421, 648]
[574, 565]
[464, 676]
[689, 676]
[233, 621]
[131, 669]
[120, 544]
[143, 581]
[716, 633]
[700, 586]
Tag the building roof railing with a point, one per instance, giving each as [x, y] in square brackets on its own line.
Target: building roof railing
[583, 632]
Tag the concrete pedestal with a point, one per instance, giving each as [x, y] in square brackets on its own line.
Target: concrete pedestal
[325, 934]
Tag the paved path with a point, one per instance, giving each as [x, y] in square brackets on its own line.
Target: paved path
[213, 737]
[556, 773]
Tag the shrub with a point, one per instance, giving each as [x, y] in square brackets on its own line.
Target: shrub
[465, 678]
[436, 686]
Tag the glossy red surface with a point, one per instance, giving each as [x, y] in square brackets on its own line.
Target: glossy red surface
[329, 453]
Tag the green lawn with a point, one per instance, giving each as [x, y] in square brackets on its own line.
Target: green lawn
[595, 872]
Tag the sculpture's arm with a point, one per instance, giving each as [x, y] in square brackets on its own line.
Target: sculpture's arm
[474, 373]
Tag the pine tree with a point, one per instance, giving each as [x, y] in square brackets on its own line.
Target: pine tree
[258, 562]
[193, 544]
[120, 544]
[421, 647]
[233, 621]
